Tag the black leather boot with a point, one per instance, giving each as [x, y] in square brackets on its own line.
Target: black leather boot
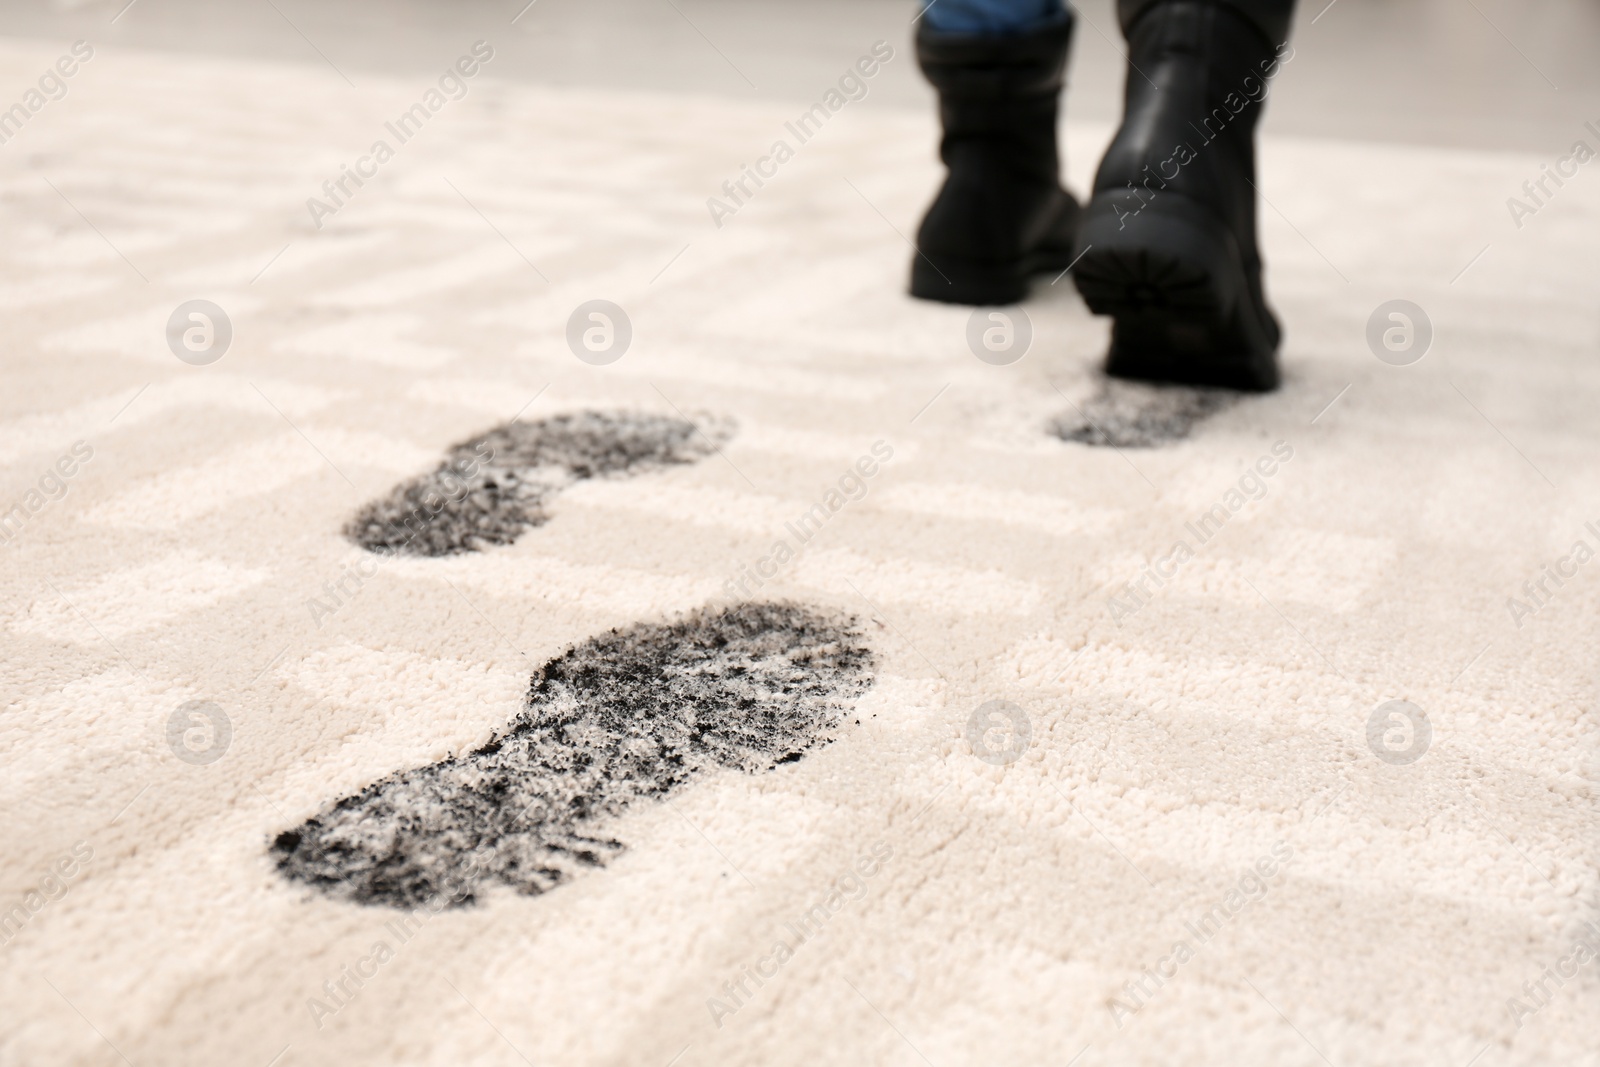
[1168, 241]
[1002, 214]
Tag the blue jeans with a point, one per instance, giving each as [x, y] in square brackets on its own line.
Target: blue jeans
[1000, 18]
[991, 18]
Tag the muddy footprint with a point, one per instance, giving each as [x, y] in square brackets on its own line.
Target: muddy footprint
[491, 489]
[634, 714]
[1134, 415]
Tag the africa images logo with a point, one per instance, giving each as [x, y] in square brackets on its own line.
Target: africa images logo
[452, 86]
[1566, 168]
[852, 86]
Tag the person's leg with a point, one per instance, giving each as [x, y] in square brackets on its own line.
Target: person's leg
[1169, 238]
[990, 18]
[1002, 215]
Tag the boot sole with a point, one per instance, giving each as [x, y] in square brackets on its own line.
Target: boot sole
[1173, 281]
[990, 282]
[982, 282]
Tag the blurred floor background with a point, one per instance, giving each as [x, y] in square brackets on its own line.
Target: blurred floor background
[1488, 74]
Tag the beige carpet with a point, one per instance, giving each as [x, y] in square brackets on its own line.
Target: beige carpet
[1196, 771]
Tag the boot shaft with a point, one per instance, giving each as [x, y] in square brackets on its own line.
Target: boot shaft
[999, 97]
[1270, 18]
[1207, 56]
[1197, 82]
